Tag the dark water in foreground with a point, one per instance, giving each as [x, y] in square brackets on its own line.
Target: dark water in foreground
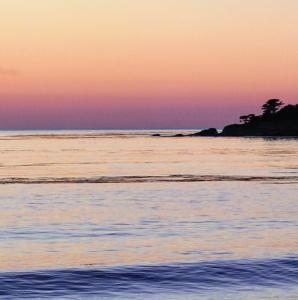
[185, 279]
[109, 215]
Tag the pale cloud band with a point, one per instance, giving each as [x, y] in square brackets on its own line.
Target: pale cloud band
[8, 72]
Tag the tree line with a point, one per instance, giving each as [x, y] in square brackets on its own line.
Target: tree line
[272, 110]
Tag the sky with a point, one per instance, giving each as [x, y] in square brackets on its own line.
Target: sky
[143, 64]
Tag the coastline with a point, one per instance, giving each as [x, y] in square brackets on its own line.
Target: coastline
[276, 120]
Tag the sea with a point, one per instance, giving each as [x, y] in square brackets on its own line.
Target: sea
[120, 214]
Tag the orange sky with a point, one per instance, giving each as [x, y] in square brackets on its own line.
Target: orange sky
[139, 63]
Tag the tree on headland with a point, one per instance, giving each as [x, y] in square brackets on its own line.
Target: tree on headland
[288, 112]
[247, 119]
[271, 107]
[273, 110]
[277, 119]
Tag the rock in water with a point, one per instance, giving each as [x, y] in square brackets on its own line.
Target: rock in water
[206, 132]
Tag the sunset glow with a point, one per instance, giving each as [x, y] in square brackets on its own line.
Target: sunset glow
[143, 64]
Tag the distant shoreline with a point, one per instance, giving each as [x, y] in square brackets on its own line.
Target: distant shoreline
[276, 120]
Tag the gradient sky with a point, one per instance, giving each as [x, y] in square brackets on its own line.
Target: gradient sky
[143, 64]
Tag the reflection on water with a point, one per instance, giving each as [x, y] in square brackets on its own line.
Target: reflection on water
[222, 210]
[131, 224]
[125, 154]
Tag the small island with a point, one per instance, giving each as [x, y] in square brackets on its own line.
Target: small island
[276, 120]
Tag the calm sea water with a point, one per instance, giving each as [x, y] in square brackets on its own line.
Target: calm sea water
[123, 215]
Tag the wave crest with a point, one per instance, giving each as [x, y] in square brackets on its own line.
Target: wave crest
[189, 277]
[147, 179]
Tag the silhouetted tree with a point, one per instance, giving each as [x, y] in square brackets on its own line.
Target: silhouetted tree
[288, 112]
[243, 119]
[247, 119]
[271, 106]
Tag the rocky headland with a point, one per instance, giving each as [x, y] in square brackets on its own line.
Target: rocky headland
[276, 120]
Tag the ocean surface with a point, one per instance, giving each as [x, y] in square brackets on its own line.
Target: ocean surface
[124, 215]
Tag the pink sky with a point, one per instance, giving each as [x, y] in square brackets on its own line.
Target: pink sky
[143, 64]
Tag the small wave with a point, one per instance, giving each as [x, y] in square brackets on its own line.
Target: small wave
[191, 277]
[52, 164]
[148, 179]
[70, 136]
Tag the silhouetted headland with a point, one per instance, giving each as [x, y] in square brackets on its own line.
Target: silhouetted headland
[276, 120]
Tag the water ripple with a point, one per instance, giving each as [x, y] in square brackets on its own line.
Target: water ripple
[144, 179]
[191, 277]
